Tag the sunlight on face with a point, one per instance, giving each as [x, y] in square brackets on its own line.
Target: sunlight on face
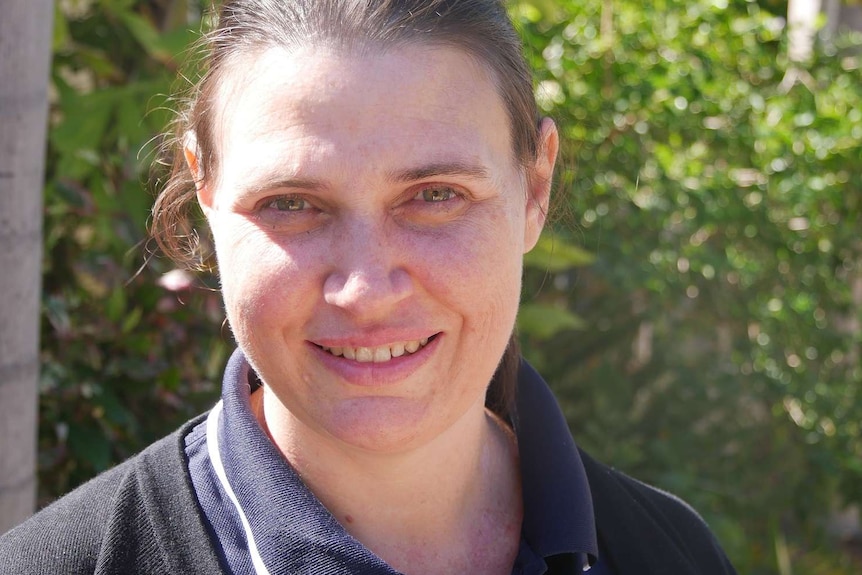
[370, 222]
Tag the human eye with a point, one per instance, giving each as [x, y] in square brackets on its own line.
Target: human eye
[435, 203]
[436, 194]
[289, 213]
[286, 204]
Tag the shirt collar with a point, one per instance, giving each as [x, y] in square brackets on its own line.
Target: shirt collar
[558, 507]
[558, 510]
[265, 484]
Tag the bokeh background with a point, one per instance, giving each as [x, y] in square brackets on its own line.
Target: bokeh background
[697, 306]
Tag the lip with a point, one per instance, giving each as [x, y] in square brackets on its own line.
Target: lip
[370, 374]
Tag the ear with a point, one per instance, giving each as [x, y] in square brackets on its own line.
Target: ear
[191, 153]
[539, 181]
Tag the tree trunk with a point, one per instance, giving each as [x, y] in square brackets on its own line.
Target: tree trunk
[802, 27]
[25, 56]
[832, 8]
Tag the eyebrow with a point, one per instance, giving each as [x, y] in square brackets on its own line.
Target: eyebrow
[265, 184]
[403, 176]
[439, 169]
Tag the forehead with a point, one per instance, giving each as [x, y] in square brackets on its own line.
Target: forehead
[312, 103]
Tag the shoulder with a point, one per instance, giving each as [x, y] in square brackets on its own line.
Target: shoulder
[631, 514]
[100, 526]
[661, 505]
[65, 536]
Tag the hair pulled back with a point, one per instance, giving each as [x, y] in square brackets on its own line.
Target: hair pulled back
[481, 28]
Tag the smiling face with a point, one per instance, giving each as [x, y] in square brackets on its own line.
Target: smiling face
[370, 221]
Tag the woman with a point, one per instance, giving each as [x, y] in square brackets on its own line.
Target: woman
[372, 173]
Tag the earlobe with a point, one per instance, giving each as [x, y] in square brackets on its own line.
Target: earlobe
[190, 151]
[539, 181]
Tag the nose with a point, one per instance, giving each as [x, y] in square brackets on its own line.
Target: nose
[368, 279]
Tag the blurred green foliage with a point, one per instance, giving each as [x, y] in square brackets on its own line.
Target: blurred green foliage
[698, 312]
[127, 353]
[720, 191]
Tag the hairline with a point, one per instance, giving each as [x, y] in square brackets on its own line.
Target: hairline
[232, 64]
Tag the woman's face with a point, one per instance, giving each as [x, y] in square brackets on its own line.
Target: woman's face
[370, 221]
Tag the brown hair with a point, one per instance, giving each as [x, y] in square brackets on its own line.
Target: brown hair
[479, 27]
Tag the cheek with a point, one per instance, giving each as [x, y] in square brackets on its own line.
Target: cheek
[472, 267]
[476, 265]
[261, 281]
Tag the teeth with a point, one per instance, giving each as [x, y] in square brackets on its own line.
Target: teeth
[380, 354]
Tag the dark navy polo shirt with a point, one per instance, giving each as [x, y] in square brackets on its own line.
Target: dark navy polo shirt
[266, 521]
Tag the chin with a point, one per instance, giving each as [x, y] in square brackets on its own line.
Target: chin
[380, 424]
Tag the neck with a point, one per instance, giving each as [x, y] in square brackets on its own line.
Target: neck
[446, 506]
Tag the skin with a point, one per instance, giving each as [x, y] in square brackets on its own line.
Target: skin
[366, 199]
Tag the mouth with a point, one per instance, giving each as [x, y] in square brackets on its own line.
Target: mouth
[379, 354]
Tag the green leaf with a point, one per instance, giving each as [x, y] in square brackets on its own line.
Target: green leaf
[146, 35]
[115, 412]
[553, 254]
[544, 321]
[115, 306]
[84, 123]
[99, 62]
[178, 40]
[88, 443]
[526, 11]
[61, 29]
[132, 320]
[130, 122]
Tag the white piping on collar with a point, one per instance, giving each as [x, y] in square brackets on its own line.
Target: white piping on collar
[215, 460]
